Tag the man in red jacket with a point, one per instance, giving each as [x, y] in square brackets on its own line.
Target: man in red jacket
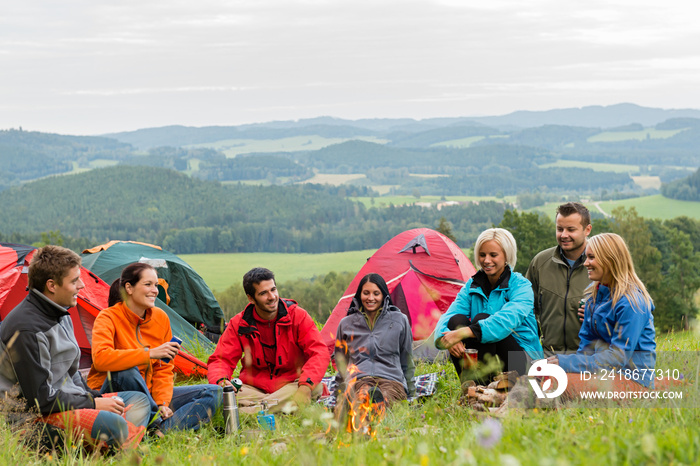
[283, 356]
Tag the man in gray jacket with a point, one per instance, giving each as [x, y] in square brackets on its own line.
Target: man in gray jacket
[559, 279]
[39, 353]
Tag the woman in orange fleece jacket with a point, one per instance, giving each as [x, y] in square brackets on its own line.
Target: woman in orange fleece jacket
[130, 347]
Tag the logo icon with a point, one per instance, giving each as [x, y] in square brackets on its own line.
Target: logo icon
[540, 369]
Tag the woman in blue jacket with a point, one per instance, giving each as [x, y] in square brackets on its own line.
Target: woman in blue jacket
[618, 328]
[494, 311]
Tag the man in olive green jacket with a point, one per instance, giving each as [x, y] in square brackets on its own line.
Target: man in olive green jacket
[559, 279]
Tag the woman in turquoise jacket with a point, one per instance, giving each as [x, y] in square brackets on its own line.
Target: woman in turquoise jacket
[494, 311]
[617, 335]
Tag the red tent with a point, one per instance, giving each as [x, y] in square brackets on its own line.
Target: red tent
[14, 264]
[424, 271]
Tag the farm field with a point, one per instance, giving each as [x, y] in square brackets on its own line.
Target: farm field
[460, 143]
[220, 271]
[646, 182]
[647, 133]
[385, 201]
[333, 179]
[599, 167]
[655, 206]
[233, 147]
[464, 143]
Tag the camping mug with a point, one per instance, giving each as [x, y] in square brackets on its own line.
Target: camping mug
[471, 357]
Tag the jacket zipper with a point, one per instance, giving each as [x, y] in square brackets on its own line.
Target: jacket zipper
[566, 297]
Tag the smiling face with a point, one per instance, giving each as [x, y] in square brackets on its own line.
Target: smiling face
[143, 294]
[596, 271]
[371, 297]
[492, 260]
[65, 294]
[571, 235]
[266, 299]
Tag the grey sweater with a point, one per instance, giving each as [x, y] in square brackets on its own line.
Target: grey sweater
[386, 351]
[44, 357]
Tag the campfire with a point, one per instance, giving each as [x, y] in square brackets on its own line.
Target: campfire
[365, 414]
[363, 408]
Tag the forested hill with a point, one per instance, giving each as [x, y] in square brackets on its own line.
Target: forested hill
[686, 189]
[187, 215]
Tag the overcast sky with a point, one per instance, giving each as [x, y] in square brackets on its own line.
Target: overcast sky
[94, 66]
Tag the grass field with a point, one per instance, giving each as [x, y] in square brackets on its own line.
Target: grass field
[333, 179]
[599, 167]
[655, 206]
[646, 182]
[384, 201]
[647, 133]
[434, 431]
[220, 271]
[460, 143]
[233, 147]
[463, 143]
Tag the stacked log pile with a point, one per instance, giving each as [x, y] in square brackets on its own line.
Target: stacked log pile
[491, 396]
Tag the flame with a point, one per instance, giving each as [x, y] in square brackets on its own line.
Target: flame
[365, 416]
[342, 344]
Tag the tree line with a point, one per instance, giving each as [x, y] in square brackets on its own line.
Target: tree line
[187, 215]
[665, 253]
[686, 189]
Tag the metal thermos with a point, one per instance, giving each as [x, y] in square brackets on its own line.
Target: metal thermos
[230, 411]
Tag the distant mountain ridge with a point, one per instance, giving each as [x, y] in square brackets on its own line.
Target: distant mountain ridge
[594, 116]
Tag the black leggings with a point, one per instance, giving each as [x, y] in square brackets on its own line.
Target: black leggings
[508, 350]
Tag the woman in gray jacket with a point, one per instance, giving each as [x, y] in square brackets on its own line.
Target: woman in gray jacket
[373, 349]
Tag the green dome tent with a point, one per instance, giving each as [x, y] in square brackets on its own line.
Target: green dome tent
[183, 293]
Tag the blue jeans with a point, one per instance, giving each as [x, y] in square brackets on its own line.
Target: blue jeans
[191, 404]
[113, 426]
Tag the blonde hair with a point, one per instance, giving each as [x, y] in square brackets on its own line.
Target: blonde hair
[611, 252]
[504, 238]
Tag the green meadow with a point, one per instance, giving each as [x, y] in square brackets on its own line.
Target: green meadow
[233, 147]
[647, 133]
[385, 201]
[433, 431]
[334, 179]
[655, 206]
[220, 271]
[464, 143]
[599, 167]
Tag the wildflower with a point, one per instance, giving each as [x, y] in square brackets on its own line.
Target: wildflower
[630, 420]
[289, 408]
[244, 451]
[442, 449]
[424, 460]
[277, 448]
[306, 422]
[508, 460]
[649, 446]
[489, 433]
